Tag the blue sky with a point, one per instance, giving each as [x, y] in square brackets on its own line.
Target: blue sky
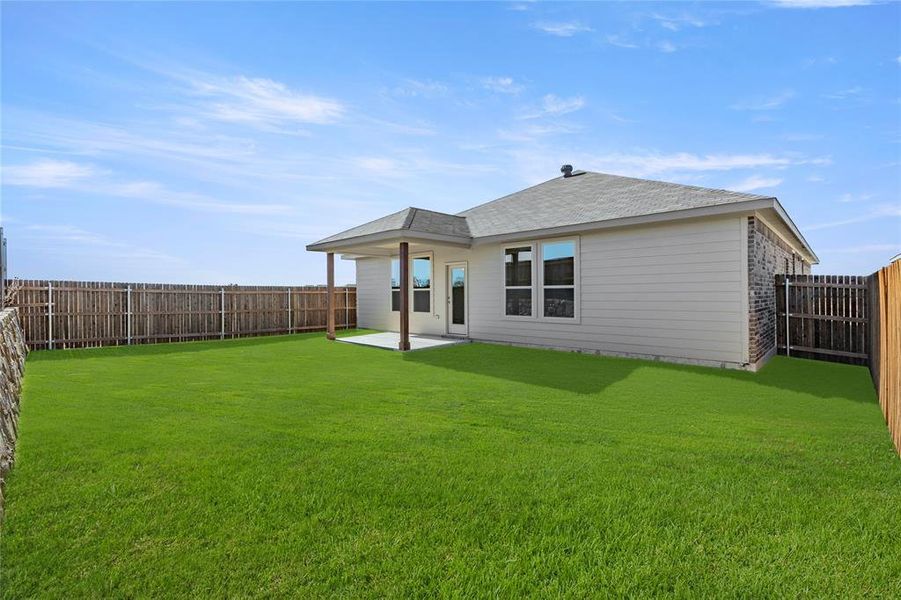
[210, 142]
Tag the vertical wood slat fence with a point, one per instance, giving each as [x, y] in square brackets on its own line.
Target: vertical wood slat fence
[885, 355]
[79, 314]
[827, 317]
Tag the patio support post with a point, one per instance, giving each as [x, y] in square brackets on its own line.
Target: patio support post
[404, 260]
[330, 297]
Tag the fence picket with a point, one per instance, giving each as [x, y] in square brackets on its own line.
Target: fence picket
[78, 314]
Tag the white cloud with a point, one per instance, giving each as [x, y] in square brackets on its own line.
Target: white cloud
[819, 3]
[68, 233]
[765, 102]
[87, 179]
[641, 165]
[677, 22]
[413, 88]
[802, 137]
[620, 42]
[755, 182]
[71, 237]
[413, 163]
[262, 101]
[385, 167]
[553, 105]
[530, 162]
[532, 132]
[666, 46]
[853, 92]
[847, 198]
[46, 173]
[562, 29]
[502, 85]
[880, 212]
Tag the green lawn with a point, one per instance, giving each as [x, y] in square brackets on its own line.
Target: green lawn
[291, 466]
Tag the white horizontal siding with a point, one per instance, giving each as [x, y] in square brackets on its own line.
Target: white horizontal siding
[673, 291]
[373, 293]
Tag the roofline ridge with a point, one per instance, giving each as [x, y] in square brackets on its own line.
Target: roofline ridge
[437, 212]
[685, 185]
[411, 214]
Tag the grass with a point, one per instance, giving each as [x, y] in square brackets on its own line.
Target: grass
[290, 466]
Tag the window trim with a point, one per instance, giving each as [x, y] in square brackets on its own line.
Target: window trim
[576, 285]
[410, 289]
[537, 247]
[431, 287]
[391, 288]
[504, 287]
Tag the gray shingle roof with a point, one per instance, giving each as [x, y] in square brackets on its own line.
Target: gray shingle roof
[589, 198]
[586, 197]
[417, 220]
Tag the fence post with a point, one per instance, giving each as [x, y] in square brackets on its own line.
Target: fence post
[346, 308]
[221, 314]
[788, 346]
[49, 316]
[289, 310]
[128, 315]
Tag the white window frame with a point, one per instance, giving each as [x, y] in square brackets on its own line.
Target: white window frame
[577, 288]
[391, 288]
[410, 289]
[504, 287]
[537, 248]
[431, 287]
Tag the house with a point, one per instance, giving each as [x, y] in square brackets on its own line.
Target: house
[585, 262]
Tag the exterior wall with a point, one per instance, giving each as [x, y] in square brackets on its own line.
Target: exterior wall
[768, 255]
[674, 291]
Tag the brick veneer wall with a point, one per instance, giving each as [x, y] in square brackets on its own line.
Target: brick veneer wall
[768, 256]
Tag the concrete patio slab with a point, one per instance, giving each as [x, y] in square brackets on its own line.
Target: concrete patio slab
[390, 341]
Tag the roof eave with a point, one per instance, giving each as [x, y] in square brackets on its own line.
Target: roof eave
[795, 231]
[400, 235]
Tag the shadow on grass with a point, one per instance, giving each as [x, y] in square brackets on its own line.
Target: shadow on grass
[568, 371]
[589, 374]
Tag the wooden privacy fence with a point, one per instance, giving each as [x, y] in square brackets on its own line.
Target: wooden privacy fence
[851, 319]
[824, 317]
[885, 355]
[78, 314]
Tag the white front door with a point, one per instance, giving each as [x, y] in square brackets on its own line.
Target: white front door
[457, 314]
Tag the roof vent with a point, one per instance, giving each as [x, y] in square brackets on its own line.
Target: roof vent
[567, 170]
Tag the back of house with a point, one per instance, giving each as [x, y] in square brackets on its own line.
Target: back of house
[586, 262]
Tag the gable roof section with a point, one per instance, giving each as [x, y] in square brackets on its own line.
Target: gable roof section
[588, 198]
[409, 221]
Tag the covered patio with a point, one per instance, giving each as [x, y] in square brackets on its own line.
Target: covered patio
[410, 231]
[390, 340]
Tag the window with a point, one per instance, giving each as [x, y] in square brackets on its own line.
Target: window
[395, 284]
[558, 281]
[422, 284]
[518, 281]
